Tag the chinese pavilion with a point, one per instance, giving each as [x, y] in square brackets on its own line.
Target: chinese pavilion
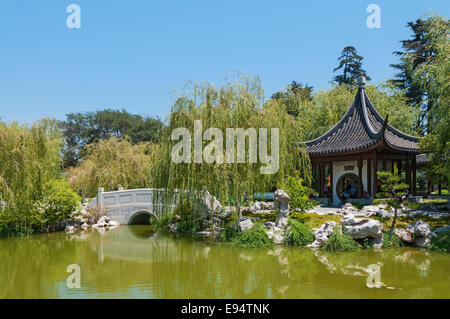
[348, 156]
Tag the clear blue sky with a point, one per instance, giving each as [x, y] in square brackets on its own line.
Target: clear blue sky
[132, 54]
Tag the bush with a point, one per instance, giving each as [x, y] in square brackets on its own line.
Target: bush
[299, 234]
[299, 194]
[340, 242]
[390, 239]
[411, 205]
[57, 203]
[189, 222]
[435, 201]
[441, 242]
[253, 238]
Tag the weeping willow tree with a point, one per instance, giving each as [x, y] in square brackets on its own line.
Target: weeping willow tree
[112, 163]
[230, 177]
[29, 158]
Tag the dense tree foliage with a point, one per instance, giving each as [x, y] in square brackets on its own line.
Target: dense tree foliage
[112, 163]
[419, 50]
[433, 76]
[350, 63]
[30, 157]
[81, 129]
[237, 104]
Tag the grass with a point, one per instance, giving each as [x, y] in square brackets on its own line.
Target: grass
[441, 242]
[435, 201]
[390, 240]
[340, 242]
[299, 234]
[253, 238]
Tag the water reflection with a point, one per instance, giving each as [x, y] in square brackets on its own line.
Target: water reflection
[137, 262]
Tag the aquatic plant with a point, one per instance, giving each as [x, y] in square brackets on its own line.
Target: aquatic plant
[299, 234]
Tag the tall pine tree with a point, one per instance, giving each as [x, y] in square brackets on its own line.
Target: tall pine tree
[350, 63]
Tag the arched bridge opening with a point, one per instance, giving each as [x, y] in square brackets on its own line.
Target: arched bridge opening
[142, 218]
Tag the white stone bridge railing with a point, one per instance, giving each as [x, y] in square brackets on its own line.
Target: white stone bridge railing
[130, 206]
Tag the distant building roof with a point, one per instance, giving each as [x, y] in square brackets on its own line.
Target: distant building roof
[421, 159]
[359, 128]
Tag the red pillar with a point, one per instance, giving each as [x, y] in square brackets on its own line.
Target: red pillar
[414, 176]
[360, 178]
[321, 181]
[369, 178]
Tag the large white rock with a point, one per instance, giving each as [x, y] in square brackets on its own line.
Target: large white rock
[359, 228]
[419, 229]
[281, 200]
[70, 229]
[321, 235]
[244, 224]
[282, 219]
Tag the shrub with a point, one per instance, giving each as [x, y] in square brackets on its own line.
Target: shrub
[189, 221]
[435, 201]
[390, 239]
[299, 194]
[253, 238]
[411, 205]
[58, 202]
[340, 242]
[441, 242]
[299, 234]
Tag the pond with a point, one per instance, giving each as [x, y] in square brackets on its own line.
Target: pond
[138, 262]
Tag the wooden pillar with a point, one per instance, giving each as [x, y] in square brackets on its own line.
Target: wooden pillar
[360, 178]
[331, 182]
[408, 173]
[375, 164]
[369, 178]
[399, 168]
[321, 173]
[414, 176]
[384, 161]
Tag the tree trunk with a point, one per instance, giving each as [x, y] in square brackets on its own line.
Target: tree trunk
[395, 216]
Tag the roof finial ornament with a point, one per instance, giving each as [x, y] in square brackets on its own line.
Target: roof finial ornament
[361, 81]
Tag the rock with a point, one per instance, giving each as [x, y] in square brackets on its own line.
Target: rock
[404, 235]
[204, 233]
[269, 225]
[85, 225]
[359, 228]
[113, 223]
[321, 235]
[244, 224]
[70, 229]
[419, 229]
[281, 200]
[419, 234]
[282, 219]
[103, 220]
[211, 203]
[173, 227]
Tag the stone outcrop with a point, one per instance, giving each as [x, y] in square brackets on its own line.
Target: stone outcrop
[281, 202]
[244, 223]
[419, 234]
[322, 233]
[359, 228]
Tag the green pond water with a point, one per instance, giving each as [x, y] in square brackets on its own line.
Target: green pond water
[137, 262]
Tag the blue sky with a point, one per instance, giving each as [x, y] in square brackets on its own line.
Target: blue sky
[133, 54]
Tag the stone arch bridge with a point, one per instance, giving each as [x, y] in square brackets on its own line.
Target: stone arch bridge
[132, 206]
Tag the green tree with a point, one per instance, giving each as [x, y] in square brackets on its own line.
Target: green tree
[433, 75]
[294, 94]
[113, 162]
[392, 190]
[418, 50]
[350, 63]
[81, 129]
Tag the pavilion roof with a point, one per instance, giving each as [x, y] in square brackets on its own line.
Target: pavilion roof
[362, 127]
